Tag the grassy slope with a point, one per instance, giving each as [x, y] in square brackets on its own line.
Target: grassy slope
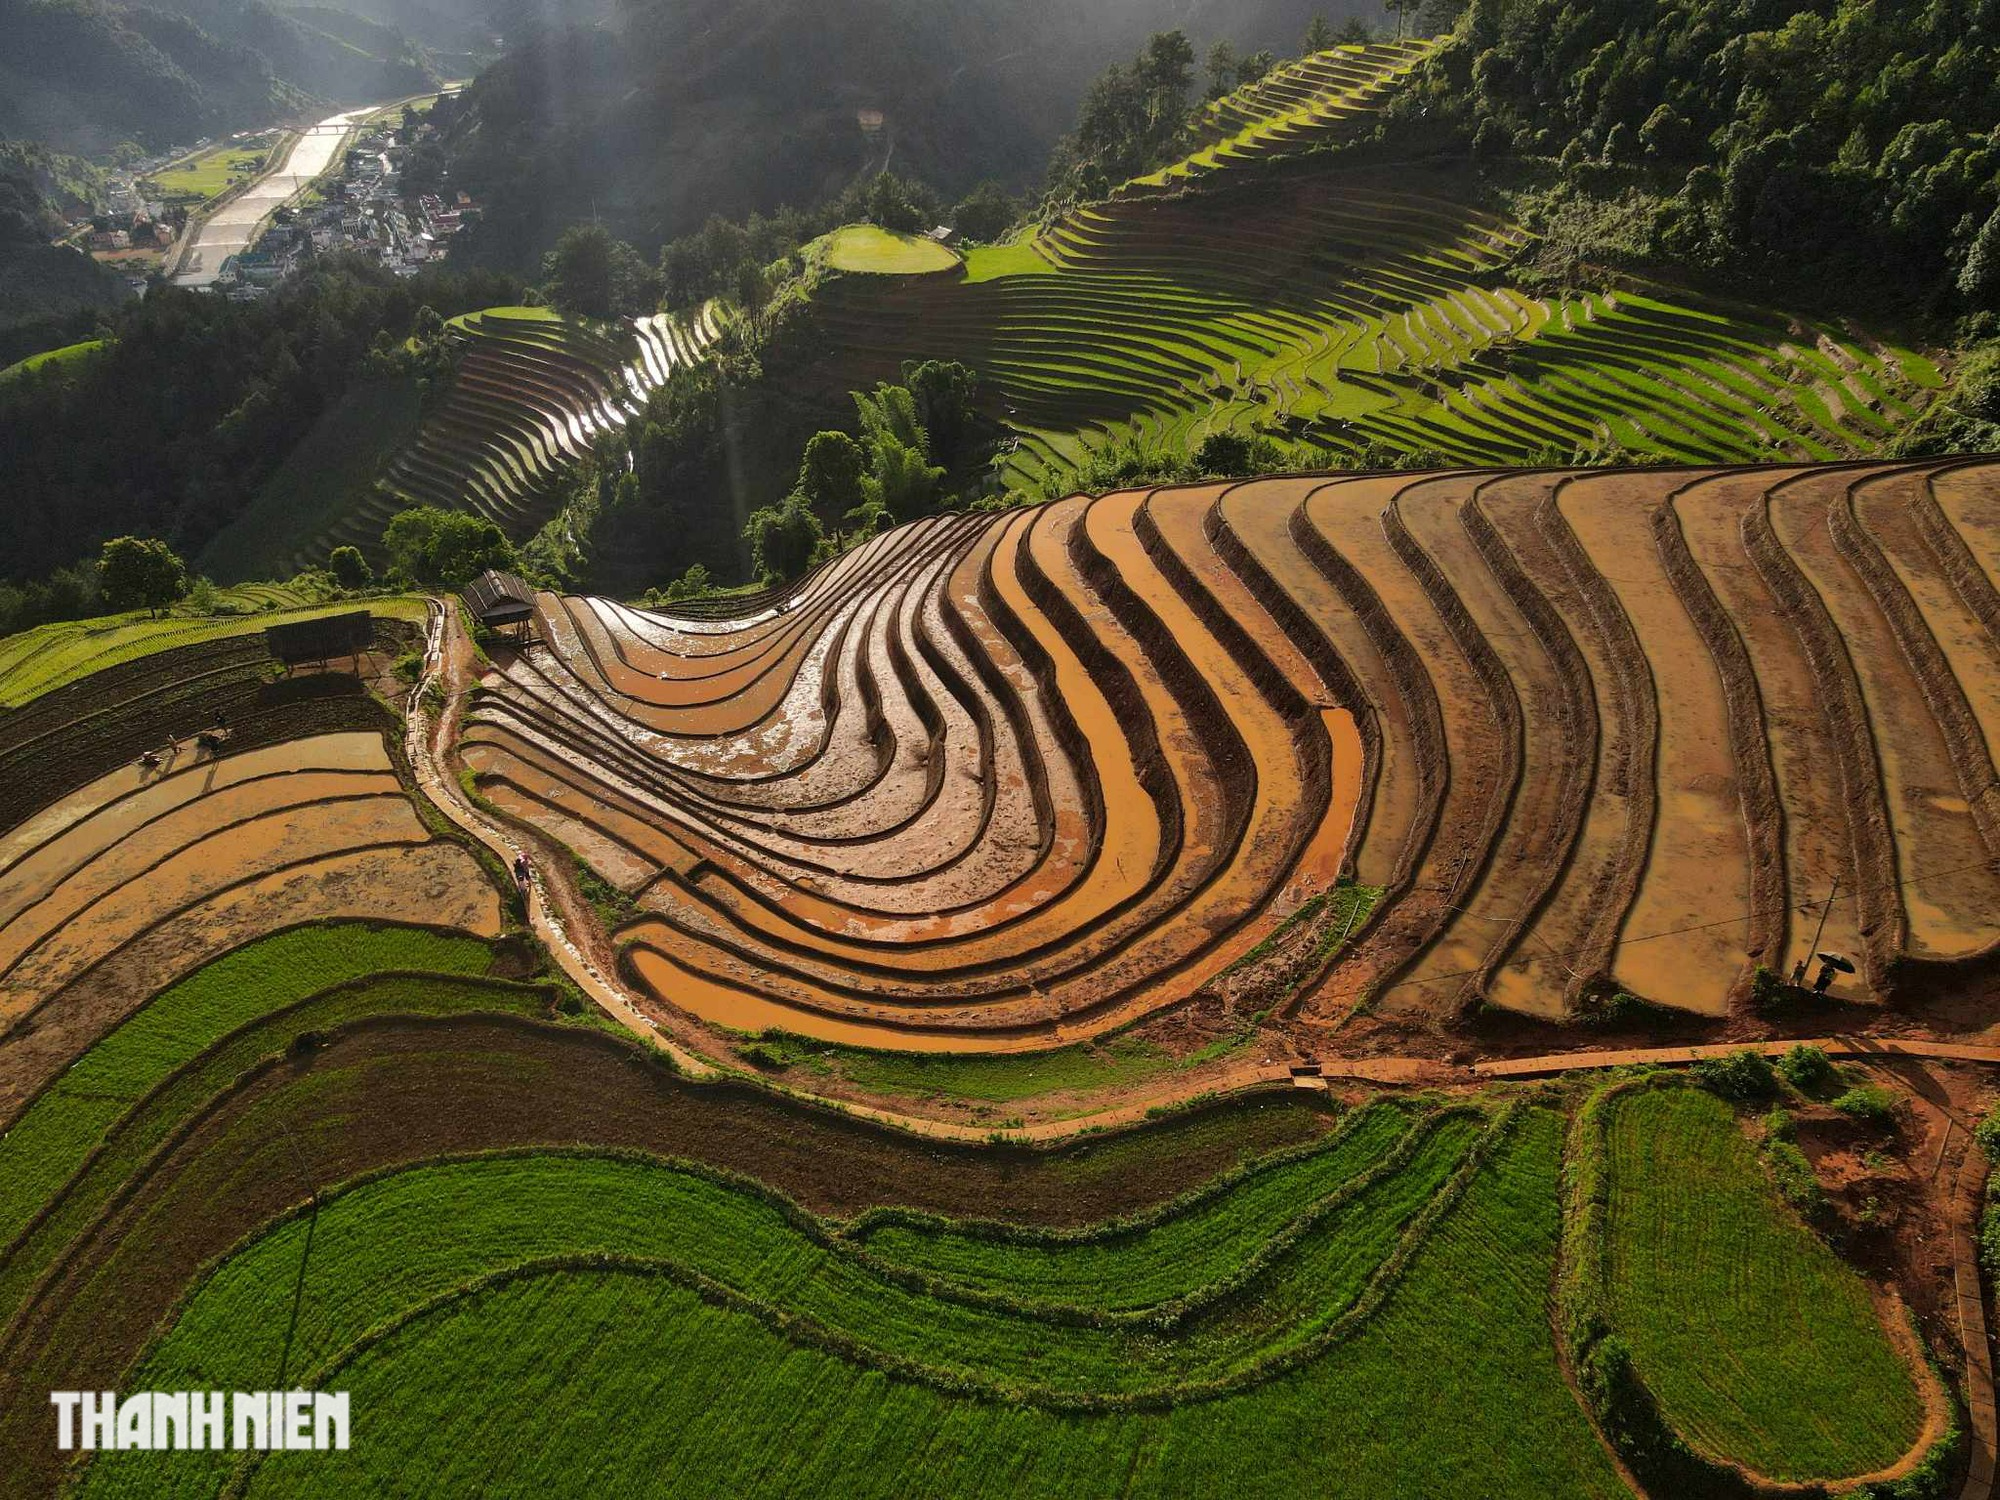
[68, 354]
[1760, 1344]
[1001, 1078]
[316, 484]
[52, 1136]
[865, 248]
[50, 656]
[706, 1400]
[1136, 1267]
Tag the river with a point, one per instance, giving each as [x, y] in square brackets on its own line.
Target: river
[227, 231]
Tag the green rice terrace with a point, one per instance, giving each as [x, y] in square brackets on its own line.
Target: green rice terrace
[303, 1087]
[1463, 964]
[1344, 310]
[1255, 287]
[1369, 309]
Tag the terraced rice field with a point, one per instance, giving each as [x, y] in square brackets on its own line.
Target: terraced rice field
[1339, 311]
[587, 1272]
[1008, 781]
[204, 845]
[1315, 101]
[532, 393]
[48, 657]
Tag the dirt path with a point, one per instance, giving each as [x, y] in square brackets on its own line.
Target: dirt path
[1978, 1384]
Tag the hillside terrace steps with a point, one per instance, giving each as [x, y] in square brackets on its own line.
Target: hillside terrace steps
[530, 395]
[1015, 779]
[1940, 863]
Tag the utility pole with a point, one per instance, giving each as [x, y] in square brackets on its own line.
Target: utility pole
[1824, 913]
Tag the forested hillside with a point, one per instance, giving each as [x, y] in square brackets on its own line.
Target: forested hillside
[1839, 146]
[689, 108]
[86, 76]
[39, 281]
[211, 395]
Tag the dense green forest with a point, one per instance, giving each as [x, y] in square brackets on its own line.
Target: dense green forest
[210, 395]
[1848, 151]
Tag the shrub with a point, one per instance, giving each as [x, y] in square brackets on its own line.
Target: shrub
[1797, 1183]
[1742, 1076]
[1767, 989]
[1870, 1103]
[1988, 1136]
[1808, 1070]
[349, 568]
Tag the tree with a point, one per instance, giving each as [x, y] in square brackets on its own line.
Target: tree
[596, 276]
[1400, 9]
[349, 568]
[1224, 453]
[784, 538]
[830, 474]
[901, 481]
[445, 549]
[890, 415]
[140, 574]
[897, 204]
[1221, 69]
[1354, 32]
[944, 391]
[1979, 277]
[986, 213]
[693, 584]
[1319, 35]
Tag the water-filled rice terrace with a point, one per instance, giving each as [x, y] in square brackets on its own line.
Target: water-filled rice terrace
[288, 1099]
[1007, 780]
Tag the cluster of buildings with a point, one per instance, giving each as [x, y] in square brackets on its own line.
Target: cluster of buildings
[366, 211]
[131, 232]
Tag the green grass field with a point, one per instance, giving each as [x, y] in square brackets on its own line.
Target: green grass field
[69, 354]
[796, 1360]
[987, 1078]
[882, 252]
[316, 485]
[50, 1139]
[196, 179]
[1760, 1344]
[38, 661]
[531, 314]
[1156, 1257]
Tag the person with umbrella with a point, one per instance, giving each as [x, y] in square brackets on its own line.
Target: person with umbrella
[1829, 965]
